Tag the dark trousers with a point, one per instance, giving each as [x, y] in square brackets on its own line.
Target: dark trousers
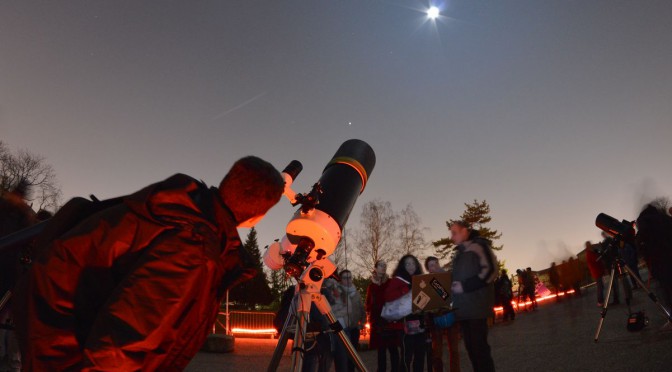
[414, 351]
[382, 358]
[342, 360]
[319, 358]
[475, 336]
[509, 313]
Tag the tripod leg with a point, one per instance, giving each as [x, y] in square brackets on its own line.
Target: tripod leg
[302, 318]
[336, 326]
[282, 341]
[603, 313]
[5, 299]
[651, 295]
[346, 342]
[627, 288]
[299, 318]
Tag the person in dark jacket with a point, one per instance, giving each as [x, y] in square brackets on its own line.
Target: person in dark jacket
[504, 295]
[137, 286]
[654, 241]
[474, 271]
[15, 214]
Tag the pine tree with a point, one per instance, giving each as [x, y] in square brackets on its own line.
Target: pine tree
[477, 215]
[255, 291]
[279, 282]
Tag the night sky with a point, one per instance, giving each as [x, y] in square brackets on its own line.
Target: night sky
[552, 111]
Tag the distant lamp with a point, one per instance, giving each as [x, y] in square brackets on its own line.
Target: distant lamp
[433, 12]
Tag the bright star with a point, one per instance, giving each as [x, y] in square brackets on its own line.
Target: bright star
[433, 12]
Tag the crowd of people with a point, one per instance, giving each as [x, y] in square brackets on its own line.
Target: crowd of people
[416, 339]
[187, 232]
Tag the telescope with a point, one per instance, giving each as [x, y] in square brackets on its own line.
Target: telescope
[311, 236]
[617, 229]
[316, 227]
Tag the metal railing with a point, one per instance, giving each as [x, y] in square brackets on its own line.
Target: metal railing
[245, 323]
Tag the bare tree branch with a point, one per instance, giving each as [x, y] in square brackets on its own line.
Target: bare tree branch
[376, 238]
[32, 172]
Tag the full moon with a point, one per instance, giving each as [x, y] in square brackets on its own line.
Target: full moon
[433, 12]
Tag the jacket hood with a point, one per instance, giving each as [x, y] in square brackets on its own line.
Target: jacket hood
[181, 200]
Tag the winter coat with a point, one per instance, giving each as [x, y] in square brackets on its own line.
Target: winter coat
[474, 267]
[133, 287]
[348, 307]
[396, 288]
[375, 293]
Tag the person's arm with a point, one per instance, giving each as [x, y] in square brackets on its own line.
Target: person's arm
[395, 289]
[487, 267]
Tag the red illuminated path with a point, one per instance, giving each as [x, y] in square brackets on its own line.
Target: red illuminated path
[557, 337]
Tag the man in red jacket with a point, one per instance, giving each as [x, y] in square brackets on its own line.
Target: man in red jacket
[137, 286]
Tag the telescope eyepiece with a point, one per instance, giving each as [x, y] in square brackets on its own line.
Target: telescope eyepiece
[293, 169]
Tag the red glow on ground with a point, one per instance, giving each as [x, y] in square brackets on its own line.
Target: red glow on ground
[528, 303]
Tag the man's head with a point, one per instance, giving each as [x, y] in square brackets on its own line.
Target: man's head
[250, 189]
[432, 265]
[459, 232]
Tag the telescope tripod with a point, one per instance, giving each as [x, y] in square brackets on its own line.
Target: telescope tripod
[618, 266]
[308, 292]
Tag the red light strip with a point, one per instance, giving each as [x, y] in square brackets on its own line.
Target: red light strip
[540, 299]
[254, 331]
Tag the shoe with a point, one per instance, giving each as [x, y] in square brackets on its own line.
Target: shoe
[599, 304]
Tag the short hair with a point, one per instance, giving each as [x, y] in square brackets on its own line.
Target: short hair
[251, 187]
[461, 223]
[428, 260]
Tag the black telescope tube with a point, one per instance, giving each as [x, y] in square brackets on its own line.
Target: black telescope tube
[344, 178]
[611, 225]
